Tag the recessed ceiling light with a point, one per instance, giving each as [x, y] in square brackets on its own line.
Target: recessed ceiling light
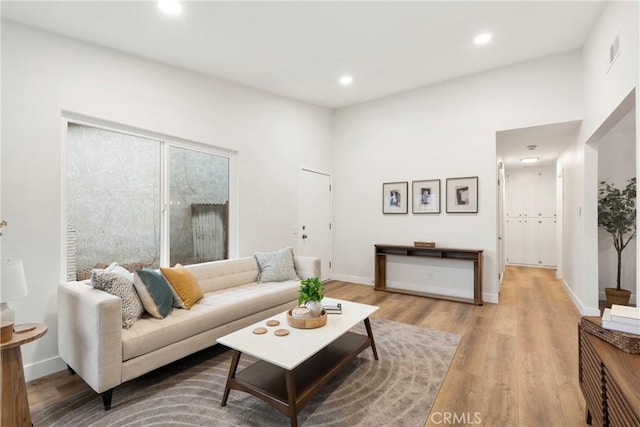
[170, 7]
[529, 159]
[483, 38]
[346, 80]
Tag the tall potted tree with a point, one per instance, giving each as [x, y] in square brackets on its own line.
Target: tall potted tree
[617, 215]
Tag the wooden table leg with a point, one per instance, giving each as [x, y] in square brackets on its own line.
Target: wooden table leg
[367, 324]
[291, 396]
[15, 405]
[232, 373]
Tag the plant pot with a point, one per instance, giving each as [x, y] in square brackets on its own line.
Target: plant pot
[618, 297]
[315, 307]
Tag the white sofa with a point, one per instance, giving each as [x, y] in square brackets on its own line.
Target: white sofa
[93, 344]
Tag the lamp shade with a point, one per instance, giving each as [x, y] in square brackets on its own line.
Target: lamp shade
[12, 282]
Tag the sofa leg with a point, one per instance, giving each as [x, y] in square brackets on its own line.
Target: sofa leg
[106, 399]
[70, 370]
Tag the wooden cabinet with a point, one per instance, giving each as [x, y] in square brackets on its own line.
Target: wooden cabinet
[610, 382]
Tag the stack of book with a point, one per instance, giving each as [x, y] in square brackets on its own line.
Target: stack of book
[622, 318]
[332, 308]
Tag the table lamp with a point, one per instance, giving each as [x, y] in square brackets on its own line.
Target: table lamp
[12, 286]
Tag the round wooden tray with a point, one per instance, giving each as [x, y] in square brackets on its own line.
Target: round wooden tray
[308, 323]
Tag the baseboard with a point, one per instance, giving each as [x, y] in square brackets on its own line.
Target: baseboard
[585, 311]
[43, 368]
[353, 279]
[490, 298]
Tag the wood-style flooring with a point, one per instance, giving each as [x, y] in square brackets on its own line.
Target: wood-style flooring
[516, 365]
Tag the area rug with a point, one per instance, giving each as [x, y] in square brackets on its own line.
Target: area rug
[397, 390]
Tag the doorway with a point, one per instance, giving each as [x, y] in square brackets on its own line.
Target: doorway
[314, 222]
[530, 221]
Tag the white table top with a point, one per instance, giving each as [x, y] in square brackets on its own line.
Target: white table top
[291, 350]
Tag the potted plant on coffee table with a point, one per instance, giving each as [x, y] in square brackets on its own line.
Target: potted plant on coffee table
[617, 215]
[311, 293]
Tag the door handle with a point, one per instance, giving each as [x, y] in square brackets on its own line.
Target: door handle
[304, 236]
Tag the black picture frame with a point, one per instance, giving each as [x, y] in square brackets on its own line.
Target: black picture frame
[395, 197]
[425, 196]
[462, 195]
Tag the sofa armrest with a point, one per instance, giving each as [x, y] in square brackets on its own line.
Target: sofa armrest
[307, 266]
[90, 334]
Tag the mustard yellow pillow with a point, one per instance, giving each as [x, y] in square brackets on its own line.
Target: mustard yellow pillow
[185, 285]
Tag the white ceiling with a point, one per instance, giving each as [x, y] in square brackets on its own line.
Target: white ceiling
[550, 140]
[299, 49]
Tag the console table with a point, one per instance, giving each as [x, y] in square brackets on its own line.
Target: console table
[474, 255]
[609, 380]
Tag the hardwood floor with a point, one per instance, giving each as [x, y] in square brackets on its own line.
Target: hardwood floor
[517, 363]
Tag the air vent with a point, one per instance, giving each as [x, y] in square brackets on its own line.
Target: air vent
[614, 50]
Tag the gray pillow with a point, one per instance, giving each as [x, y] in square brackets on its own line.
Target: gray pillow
[117, 281]
[276, 266]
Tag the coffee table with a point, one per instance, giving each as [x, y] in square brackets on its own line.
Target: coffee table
[291, 369]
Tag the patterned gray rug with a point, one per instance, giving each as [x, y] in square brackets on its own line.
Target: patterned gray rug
[397, 390]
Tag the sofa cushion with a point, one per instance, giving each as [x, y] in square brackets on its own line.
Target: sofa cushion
[276, 266]
[116, 280]
[154, 292]
[185, 285]
[215, 309]
[218, 275]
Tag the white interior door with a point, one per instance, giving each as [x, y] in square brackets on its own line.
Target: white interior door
[314, 222]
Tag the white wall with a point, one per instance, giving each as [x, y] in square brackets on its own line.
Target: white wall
[44, 74]
[616, 164]
[609, 94]
[571, 164]
[443, 131]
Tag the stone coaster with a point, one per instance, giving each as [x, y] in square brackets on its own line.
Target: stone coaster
[260, 331]
[272, 322]
[281, 332]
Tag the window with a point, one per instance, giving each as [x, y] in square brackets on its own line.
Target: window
[117, 187]
[199, 208]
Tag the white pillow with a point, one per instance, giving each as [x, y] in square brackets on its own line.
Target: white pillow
[276, 266]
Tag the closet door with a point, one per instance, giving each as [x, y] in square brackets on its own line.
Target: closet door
[513, 182]
[530, 190]
[514, 240]
[547, 193]
[547, 246]
[530, 241]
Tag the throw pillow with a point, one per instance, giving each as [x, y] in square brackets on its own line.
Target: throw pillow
[276, 266]
[184, 284]
[154, 292]
[117, 281]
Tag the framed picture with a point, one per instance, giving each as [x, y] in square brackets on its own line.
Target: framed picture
[394, 197]
[462, 195]
[425, 196]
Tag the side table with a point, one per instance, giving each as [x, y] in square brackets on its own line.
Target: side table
[15, 405]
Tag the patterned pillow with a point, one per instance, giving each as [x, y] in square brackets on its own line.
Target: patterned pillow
[154, 292]
[117, 281]
[276, 266]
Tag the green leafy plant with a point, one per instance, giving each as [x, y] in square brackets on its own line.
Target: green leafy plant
[617, 215]
[311, 289]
